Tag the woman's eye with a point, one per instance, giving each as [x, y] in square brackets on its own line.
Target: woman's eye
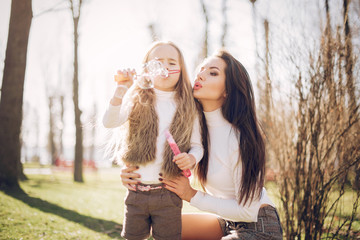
[173, 64]
[213, 73]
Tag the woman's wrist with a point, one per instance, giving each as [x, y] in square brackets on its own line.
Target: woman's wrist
[192, 192]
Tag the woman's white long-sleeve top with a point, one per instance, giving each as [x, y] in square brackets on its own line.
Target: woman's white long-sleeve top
[165, 107]
[224, 175]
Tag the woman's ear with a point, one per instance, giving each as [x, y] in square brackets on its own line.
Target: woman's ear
[224, 94]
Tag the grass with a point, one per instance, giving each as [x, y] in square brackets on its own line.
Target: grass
[57, 208]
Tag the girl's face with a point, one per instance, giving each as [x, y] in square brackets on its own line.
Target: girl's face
[169, 57]
[209, 87]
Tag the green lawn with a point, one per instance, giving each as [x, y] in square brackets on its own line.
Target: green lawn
[57, 208]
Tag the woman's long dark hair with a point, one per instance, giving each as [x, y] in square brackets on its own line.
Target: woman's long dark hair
[239, 110]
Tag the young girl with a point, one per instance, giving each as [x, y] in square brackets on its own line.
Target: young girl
[149, 113]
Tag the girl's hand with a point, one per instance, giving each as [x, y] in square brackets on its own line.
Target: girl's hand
[184, 161]
[124, 78]
[128, 177]
[180, 186]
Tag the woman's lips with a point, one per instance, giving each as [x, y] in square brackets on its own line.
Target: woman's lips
[197, 86]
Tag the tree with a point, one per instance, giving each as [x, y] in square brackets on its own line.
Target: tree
[205, 48]
[225, 24]
[349, 59]
[51, 144]
[268, 87]
[61, 131]
[12, 93]
[154, 35]
[78, 160]
[255, 33]
[314, 138]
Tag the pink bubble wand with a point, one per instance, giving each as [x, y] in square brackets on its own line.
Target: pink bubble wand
[174, 147]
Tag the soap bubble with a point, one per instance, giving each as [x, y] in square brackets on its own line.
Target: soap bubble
[144, 81]
[156, 68]
[151, 69]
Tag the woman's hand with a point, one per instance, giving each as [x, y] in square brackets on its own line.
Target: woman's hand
[184, 161]
[128, 177]
[180, 186]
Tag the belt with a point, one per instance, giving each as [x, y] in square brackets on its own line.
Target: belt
[147, 187]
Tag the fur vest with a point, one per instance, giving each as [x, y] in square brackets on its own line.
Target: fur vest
[143, 130]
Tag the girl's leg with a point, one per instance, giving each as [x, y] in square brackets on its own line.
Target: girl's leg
[200, 226]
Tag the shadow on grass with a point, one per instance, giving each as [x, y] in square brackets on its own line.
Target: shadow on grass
[110, 228]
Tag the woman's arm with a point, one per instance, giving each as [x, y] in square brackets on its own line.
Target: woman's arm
[226, 208]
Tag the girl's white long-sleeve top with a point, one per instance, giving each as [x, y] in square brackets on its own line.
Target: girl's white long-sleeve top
[165, 107]
[223, 178]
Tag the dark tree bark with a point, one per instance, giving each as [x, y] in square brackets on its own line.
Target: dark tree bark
[205, 49]
[328, 58]
[78, 160]
[62, 109]
[349, 60]
[51, 143]
[225, 24]
[268, 87]
[12, 94]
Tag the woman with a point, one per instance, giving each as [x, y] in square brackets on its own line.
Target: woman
[233, 167]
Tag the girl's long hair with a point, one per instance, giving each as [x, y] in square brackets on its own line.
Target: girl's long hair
[239, 109]
[183, 95]
[143, 120]
[143, 111]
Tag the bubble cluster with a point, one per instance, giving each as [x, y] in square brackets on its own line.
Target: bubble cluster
[151, 70]
[156, 68]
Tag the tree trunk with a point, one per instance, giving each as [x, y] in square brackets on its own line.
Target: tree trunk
[78, 160]
[225, 24]
[153, 33]
[52, 146]
[255, 38]
[205, 51]
[328, 58]
[268, 87]
[12, 94]
[78, 171]
[61, 144]
[349, 61]
[93, 135]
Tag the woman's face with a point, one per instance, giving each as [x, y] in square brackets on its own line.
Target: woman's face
[209, 87]
[169, 57]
